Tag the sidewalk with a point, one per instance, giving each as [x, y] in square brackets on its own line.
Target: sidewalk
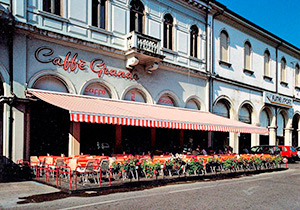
[11, 192]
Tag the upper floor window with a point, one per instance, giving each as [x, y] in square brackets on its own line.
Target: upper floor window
[297, 79]
[194, 41]
[267, 63]
[224, 43]
[136, 16]
[283, 70]
[247, 56]
[168, 31]
[52, 6]
[99, 13]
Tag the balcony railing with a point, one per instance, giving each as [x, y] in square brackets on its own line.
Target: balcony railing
[143, 43]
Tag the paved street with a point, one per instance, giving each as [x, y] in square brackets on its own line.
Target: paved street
[275, 190]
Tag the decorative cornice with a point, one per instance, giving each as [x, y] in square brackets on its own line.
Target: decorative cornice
[33, 30]
[185, 70]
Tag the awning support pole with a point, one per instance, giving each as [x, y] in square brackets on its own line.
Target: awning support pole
[118, 143]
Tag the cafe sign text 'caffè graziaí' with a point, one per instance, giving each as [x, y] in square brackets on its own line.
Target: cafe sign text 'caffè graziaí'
[71, 63]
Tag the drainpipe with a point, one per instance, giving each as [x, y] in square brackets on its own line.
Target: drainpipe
[212, 58]
[11, 78]
[207, 55]
[276, 88]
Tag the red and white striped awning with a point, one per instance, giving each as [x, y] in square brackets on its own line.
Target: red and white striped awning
[119, 112]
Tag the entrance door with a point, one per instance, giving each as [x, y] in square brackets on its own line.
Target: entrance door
[263, 140]
[1, 123]
[136, 140]
[49, 129]
[96, 139]
[244, 143]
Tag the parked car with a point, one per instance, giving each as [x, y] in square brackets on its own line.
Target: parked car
[288, 152]
[298, 152]
[265, 149]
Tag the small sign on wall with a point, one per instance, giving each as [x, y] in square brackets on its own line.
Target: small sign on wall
[277, 100]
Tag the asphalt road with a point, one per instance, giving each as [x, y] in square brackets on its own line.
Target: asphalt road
[275, 190]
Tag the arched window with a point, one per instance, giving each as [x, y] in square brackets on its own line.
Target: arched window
[52, 6]
[267, 63]
[245, 114]
[280, 124]
[222, 108]
[168, 31]
[247, 56]
[97, 90]
[99, 13]
[264, 119]
[135, 95]
[297, 75]
[193, 104]
[136, 16]
[283, 70]
[224, 44]
[52, 83]
[194, 41]
[166, 100]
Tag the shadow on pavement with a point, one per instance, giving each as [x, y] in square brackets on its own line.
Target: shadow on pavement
[135, 186]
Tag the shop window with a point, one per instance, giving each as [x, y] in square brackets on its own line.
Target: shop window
[297, 75]
[52, 6]
[247, 56]
[283, 70]
[224, 44]
[168, 31]
[193, 104]
[99, 13]
[166, 100]
[136, 16]
[194, 41]
[267, 63]
[135, 95]
[97, 90]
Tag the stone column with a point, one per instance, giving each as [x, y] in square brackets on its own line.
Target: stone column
[254, 139]
[272, 135]
[5, 135]
[27, 134]
[288, 136]
[74, 138]
[18, 133]
[298, 137]
[234, 142]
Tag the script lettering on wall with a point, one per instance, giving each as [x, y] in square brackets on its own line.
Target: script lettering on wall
[71, 63]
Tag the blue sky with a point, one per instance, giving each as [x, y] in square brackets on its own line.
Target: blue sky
[280, 17]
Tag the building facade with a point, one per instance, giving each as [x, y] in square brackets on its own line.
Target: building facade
[186, 54]
[255, 79]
